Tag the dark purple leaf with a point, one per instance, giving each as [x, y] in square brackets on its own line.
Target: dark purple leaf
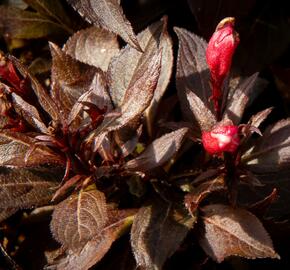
[29, 113]
[68, 184]
[42, 95]
[157, 232]
[14, 146]
[79, 218]
[93, 46]
[126, 68]
[140, 90]
[253, 125]
[70, 79]
[165, 43]
[234, 231]
[95, 249]
[96, 95]
[238, 102]
[129, 146]
[268, 181]
[137, 98]
[209, 173]
[204, 116]
[40, 65]
[192, 75]
[109, 15]
[272, 151]
[159, 152]
[106, 147]
[194, 198]
[260, 207]
[23, 188]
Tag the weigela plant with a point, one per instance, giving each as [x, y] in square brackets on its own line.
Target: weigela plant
[98, 149]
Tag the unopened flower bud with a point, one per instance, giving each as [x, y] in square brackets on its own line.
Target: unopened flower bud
[221, 139]
[219, 53]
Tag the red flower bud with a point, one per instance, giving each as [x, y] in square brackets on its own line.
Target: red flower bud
[221, 139]
[219, 53]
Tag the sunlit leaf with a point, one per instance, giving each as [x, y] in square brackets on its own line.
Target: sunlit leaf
[140, 92]
[94, 46]
[79, 218]
[234, 231]
[95, 249]
[109, 15]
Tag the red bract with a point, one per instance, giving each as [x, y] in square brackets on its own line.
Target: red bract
[219, 53]
[221, 139]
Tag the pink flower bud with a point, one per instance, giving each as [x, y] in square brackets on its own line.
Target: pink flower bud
[219, 53]
[221, 139]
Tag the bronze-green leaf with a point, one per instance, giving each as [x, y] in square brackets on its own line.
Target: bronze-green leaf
[18, 23]
[52, 9]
